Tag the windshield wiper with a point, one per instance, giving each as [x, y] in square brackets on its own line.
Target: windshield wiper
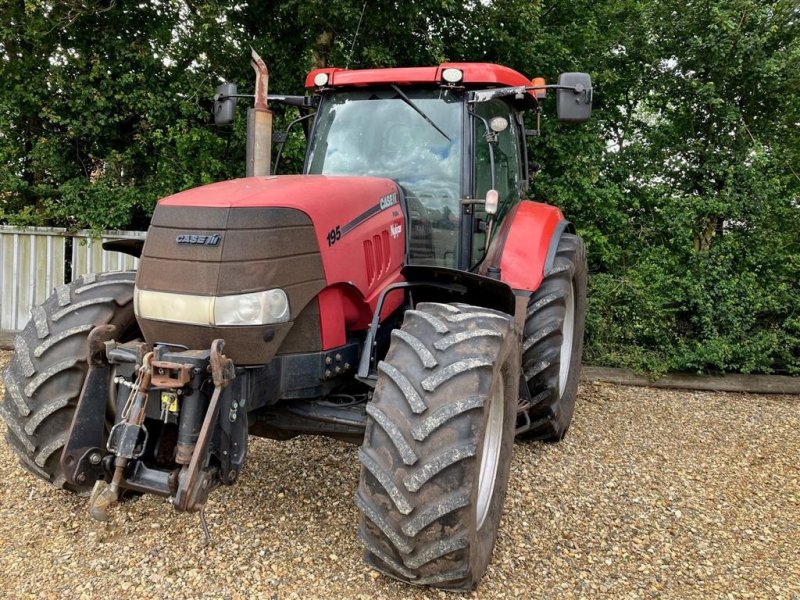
[410, 102]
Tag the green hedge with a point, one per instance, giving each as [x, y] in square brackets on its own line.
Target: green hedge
[685, 184]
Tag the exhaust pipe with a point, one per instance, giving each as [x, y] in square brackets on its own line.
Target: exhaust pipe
[259, 123]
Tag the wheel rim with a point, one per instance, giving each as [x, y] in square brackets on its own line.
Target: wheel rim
[566, 340]
[490, 456]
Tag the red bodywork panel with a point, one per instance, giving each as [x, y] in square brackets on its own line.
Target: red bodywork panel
[475, 74]
[360, 230]
[520, 246]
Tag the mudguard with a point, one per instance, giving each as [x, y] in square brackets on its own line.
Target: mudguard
[525, 244]
[467, 287]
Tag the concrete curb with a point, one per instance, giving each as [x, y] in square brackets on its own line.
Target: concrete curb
[753, 384]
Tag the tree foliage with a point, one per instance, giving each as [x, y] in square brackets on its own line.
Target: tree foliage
[685, 185]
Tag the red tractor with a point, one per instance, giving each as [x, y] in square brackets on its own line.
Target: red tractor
[400, 294]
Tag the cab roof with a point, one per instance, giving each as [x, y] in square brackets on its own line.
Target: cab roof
[475, 75]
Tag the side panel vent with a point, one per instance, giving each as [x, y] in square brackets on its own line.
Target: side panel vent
[369, 257]
[377, 255]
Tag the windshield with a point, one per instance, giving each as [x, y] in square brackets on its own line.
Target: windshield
[376, 133]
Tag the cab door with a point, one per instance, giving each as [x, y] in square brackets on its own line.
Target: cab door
[507, 165]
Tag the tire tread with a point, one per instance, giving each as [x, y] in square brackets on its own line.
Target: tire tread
[418, 410]
[44, 380]
[550, 415]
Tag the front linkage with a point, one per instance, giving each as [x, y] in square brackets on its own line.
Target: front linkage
[170, 437]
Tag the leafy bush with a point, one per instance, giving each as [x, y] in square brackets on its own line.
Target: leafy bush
[685, 185]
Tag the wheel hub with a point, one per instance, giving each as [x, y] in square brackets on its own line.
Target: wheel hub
[566, 340]
[490, 456]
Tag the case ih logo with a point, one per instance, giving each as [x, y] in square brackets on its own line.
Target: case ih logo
[388, 200]
[203, 240]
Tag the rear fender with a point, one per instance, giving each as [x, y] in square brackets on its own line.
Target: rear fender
[126, 246]
[524, 247]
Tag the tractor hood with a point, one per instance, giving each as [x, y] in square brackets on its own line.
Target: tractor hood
[311, 193]
[244, 260]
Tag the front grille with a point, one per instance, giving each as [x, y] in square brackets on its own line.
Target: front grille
[258, 249]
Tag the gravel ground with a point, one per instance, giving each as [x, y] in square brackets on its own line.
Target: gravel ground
[652, 494]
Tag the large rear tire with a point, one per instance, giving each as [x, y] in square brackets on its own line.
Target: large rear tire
[44, 380]
[438, 443]
[552, 342]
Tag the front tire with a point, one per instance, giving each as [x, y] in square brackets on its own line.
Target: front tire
[45, 378]
[552, 341]
[437, 448]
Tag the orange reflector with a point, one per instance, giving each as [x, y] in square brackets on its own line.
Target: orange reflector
[536, 82]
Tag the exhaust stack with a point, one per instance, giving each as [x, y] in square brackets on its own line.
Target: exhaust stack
[259, 123]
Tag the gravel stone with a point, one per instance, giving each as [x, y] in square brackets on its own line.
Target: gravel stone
[652, 494]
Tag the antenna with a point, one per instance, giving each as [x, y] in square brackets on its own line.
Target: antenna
[355, 37]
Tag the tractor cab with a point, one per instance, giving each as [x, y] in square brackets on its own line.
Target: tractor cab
[444, 142]
[451, 136]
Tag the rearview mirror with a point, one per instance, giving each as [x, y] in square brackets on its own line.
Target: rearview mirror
[574, 99]
[225, 104]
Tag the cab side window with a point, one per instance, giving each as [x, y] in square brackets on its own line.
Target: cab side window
[506, 154]
[507, 166]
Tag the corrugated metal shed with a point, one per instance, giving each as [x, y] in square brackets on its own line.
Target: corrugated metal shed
[36, 260]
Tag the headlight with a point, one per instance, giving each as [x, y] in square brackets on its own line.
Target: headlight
[256, 308]
[178, 308]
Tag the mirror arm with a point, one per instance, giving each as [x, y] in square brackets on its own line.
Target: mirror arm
[486, 95]
[578, 89]
[304, 101]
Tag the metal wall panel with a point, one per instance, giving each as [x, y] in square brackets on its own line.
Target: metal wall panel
[34, 261]
[32, 265]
